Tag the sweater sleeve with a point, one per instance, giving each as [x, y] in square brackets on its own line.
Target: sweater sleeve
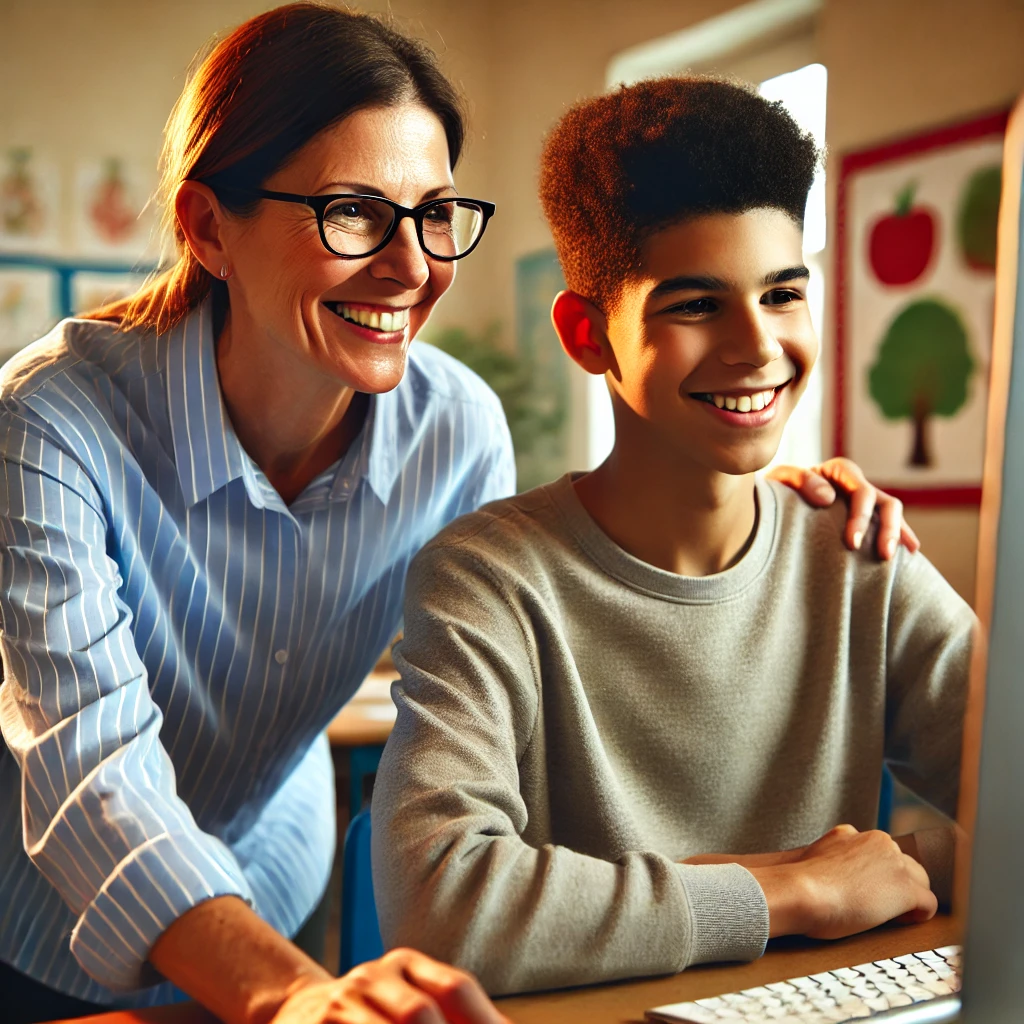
[931, 630]
[102, 819]
[454, 875]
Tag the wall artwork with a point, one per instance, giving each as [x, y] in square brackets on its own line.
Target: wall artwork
[29, 201]
[111, 219]
[91, 289]
[915, 263]
[27, 307]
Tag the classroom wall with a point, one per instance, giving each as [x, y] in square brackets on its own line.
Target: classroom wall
[90, 76]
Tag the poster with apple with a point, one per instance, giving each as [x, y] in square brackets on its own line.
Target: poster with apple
[915, 261]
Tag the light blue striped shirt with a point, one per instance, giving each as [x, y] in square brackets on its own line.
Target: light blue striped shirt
[175, 638]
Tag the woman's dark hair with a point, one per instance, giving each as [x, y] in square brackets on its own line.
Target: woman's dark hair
[621, 166]
[260, 95]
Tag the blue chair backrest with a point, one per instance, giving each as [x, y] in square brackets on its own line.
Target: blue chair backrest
[360, 933]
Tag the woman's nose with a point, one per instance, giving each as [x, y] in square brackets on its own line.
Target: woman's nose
[402, 259]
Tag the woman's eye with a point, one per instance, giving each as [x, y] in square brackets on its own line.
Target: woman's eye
[441, 214]
[780, 296]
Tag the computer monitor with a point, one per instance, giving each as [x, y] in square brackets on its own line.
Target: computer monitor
[993, 782]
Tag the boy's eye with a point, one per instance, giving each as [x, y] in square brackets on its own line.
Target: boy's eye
[780, 296]
[696, 307]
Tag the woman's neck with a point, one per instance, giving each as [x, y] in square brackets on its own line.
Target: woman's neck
[293, 422]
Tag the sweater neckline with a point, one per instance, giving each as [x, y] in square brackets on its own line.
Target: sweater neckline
[642, 576]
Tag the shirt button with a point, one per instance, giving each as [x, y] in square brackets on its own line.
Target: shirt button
[281, 657]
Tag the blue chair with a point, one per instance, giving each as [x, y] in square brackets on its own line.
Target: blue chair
[362, 762]
[360, 933]
[885, 799]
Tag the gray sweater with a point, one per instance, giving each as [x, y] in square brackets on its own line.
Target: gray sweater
[573, 721]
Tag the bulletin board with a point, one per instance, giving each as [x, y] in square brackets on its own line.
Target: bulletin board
[915, 287]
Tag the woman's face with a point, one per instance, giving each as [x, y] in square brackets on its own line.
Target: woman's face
[287, 287]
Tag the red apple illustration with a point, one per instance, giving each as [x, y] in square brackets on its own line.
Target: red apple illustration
[902, 243]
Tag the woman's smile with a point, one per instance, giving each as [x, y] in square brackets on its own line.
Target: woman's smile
[380, 324]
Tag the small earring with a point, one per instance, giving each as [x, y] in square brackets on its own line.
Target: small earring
[224, 272]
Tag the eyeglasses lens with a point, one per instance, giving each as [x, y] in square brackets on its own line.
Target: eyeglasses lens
[355, 227]
[450, 229]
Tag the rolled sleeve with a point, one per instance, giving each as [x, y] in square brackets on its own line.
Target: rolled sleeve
[102, 819]
[146, 893]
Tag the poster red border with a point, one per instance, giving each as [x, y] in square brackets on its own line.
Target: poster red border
[978, 127]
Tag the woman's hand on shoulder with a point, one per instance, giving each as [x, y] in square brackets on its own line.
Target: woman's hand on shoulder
[818, 486]
[402, 987]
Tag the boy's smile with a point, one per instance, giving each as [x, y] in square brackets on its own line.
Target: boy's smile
[713, 341]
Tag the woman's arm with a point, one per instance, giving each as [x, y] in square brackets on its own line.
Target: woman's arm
[242, 970]
[102, 819]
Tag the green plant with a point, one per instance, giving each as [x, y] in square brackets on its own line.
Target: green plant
[513, 379]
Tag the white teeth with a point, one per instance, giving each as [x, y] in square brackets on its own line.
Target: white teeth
[744, 403]
[397, 320]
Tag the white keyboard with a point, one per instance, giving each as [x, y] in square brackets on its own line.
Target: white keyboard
[867, 990]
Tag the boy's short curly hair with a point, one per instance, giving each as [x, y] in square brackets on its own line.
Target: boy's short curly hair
[620, 166]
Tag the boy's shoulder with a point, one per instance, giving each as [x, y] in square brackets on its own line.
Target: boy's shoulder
[810, 542]
[509, 526]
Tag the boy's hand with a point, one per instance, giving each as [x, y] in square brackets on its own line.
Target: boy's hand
[817, 486]
[403, 986]
[845, 882]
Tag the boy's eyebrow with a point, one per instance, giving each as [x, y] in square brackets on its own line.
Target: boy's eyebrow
[789, 274]
[707, 283]
[689, 283]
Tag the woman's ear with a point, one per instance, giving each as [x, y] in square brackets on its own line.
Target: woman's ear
[582, 330]
[201, 218]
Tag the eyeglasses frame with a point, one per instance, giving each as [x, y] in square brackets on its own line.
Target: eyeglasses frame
[319, 204]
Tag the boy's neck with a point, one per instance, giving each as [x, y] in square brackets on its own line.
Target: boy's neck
[682, 518]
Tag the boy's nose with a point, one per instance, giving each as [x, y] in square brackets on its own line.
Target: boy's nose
[751, 340]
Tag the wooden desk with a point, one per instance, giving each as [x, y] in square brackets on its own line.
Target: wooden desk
[626, 1002]
[368, 718]
[787, 958]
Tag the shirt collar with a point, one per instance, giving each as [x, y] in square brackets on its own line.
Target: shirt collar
[207, 453]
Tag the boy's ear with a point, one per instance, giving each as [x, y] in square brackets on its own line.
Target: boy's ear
[582, 330]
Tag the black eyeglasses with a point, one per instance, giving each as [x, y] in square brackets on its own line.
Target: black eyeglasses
[354, 226]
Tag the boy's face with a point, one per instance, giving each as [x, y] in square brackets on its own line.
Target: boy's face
[713, 339]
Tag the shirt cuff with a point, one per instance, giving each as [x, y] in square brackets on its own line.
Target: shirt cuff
[728, 913]
[148, 891]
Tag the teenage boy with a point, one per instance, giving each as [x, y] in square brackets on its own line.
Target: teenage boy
[624, 693]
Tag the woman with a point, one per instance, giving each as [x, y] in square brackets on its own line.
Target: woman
[211, 494]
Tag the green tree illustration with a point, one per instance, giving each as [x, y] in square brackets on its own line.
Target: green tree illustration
[922, 370]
